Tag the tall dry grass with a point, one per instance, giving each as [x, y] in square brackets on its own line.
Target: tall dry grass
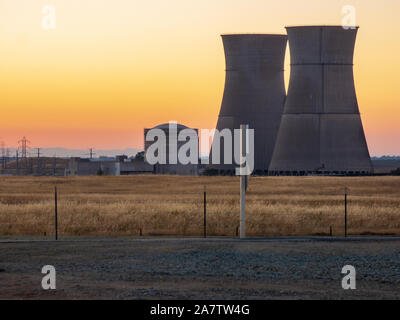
[173, 205]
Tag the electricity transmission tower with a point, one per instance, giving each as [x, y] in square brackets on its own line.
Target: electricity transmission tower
[91, 153]
[23, 145]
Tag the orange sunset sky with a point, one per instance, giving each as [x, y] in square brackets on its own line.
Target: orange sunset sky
[113, 67]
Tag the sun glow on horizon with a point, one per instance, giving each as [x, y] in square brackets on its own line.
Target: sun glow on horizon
[112, 68]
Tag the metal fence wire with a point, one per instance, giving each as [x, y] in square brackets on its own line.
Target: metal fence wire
[204, 214]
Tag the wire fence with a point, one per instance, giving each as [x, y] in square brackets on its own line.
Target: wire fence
[204, 214]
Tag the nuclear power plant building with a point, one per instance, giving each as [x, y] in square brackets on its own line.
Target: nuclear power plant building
[321, 130]
[254, 94]
[172, 147]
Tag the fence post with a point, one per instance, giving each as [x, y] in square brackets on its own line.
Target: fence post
[55, 211]
[345, 212]
[205, 212]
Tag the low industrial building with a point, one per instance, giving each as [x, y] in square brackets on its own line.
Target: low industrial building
[121, 166]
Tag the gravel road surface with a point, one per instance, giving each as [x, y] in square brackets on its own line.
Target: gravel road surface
[167, 268]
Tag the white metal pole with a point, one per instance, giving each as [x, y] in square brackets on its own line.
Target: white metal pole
[243, 149]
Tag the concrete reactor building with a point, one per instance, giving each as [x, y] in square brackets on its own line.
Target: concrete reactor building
[321, 130]
[254, 94]
[171, 132]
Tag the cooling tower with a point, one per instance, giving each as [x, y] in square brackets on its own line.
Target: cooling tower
[321, 129]
[254, 93]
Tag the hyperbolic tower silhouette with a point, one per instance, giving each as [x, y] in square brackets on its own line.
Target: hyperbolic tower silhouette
[321, 129]
[254, 92]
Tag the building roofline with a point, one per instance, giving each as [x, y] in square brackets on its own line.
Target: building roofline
[278, 35]
[320, 26]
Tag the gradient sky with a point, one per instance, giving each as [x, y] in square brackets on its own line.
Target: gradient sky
[113, 67]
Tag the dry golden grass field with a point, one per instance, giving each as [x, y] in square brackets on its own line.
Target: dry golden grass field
[173, 205]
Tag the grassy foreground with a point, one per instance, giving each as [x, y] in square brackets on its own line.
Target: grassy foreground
[173, 205]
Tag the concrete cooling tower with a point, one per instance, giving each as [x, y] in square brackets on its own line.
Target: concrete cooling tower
[321, 129]
[254, 93]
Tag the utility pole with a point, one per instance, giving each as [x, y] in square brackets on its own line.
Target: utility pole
[7, 158]
[55, 212]
[38, 161]
[91, 153]
[54, 165]
[345, 212]
[243, 178]
[16, 162]
[205, 213]
[3, 155]
[30, 165]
